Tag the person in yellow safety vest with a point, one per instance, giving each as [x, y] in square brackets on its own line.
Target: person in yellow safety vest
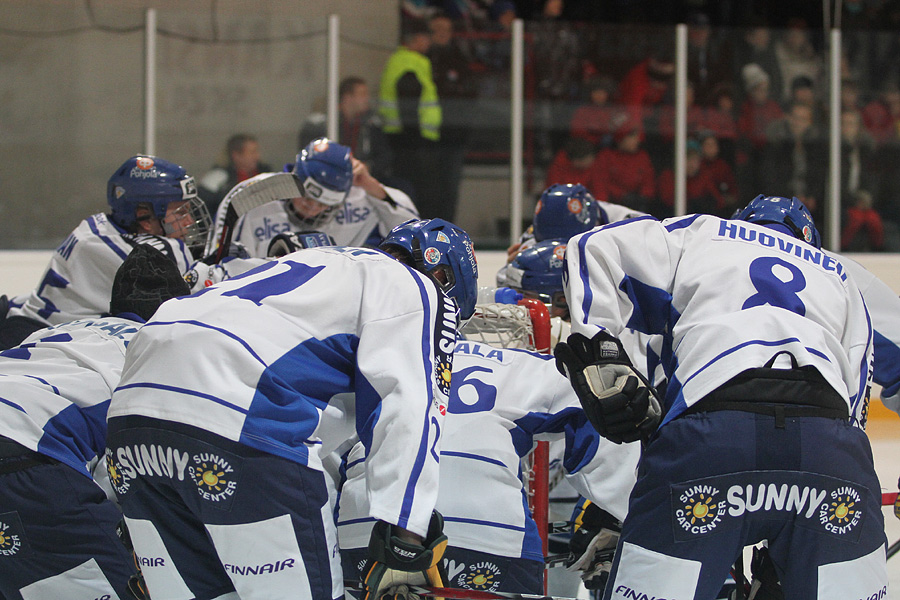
[411, 114]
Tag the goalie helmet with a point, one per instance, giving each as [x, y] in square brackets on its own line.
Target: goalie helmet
[565, 210]
[778, 210]
[324, 171]
[538, 272]
[434, 246]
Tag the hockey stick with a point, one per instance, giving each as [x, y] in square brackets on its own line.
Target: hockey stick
[242, 198]
[458, 593]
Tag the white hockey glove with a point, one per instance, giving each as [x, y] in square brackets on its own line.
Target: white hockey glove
[285, 243]
[592, 547]
[395, 564]
[617, 399]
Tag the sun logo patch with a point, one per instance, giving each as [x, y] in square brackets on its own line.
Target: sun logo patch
[116, 477]
[10, 542]
[699, 510]
[842, 512]
[443, 375]
[213, 476]
[482, 575]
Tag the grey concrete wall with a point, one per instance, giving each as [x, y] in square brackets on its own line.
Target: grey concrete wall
[72, 89]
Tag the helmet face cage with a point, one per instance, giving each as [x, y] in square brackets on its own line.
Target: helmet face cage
[565, 210]
[324, 171]
[790, 212]
[438, 246]
[316, 222]
[191, 222]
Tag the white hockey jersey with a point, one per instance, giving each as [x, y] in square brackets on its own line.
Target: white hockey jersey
[258, 358]
[501, 401]
[55, 388]
[884, 309]
[361, 220]
[775, 295]
[78, 281]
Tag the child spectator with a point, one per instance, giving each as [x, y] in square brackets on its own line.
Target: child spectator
[626, 173]
[575, 163]
[593, 121]
[718, 171]
[863, 229]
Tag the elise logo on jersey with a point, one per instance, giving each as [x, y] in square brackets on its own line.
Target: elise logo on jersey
[270, 229]
[351, 214]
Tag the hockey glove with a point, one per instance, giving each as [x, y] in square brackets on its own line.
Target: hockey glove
[764, 584]
[395, 564]
[136, 584]
[285, 243]
[592, 547]
[617, 400]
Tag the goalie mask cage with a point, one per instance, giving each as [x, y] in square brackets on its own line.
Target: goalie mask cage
[525, 325]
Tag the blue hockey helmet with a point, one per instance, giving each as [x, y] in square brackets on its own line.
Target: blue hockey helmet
[538, 272]
[324, 171]
[778, 210]
[565, 210]
[154, 183]
[444, 252]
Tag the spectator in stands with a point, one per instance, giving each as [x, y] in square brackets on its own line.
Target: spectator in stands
[593, 120]
[795, 159]
[359, 128]
[410, 111]
[626, 173]
[240, 162]
[575, 162]
[757, 113]
[696, 116]
[647, 83]
[719, 118]
[719, 171]
[452, 73]
[702, 194]
[850, 97]
[803, 91]
[708, 62]
[797, 56]
[881, 116]
[755, 47]
[863, 229]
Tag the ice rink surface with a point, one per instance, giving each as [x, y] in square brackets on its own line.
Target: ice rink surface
[20, 272]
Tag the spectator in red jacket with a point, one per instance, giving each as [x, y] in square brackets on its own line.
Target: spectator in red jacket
[720, 120]
[576, 163]
[695, 116]
[593, 121]
[863, 229]
[646, 84]
[718, 170]
[882, 115]
[702, 194]
[757, 112]
[626, 172]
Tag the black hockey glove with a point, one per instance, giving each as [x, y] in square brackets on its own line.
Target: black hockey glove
[136, 585]
[592, 546]
[764, 584]
[617, 400]
[285, 243]
[395, 564]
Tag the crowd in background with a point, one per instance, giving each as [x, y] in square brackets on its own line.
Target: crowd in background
[600, 106]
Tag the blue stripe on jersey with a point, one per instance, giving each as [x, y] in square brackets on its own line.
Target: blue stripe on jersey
[13, 405]
[355, 521]
[652, 310]
[532, 546]
[582, 442]
[224, 332]
[76, 435]
[486, 459]
[484, 523]
[428, 321]
[861, 394]
[368, 410]
[106, 240]
[185, 391]
[292, 392]
[887, 365]
[585, 279]
[44, 381]
[682, 223]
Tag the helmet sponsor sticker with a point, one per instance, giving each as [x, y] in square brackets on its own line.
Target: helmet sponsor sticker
[575, 206]
[442, 237]
[188, 188]
[827, 505]
[558, 256]
[538, 206]
[321, 146]
[144, 168]
[432, 256]
[144, 163]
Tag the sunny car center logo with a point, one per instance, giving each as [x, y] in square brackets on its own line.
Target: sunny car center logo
[700, 510]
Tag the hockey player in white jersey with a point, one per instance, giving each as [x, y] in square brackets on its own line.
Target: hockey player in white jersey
[152, 201]
[767, 350]
[58, 535]
[216, 427]
[501, 401]
[336, 195]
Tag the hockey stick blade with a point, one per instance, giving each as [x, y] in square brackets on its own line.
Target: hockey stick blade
[244, 197]
[459, 593]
